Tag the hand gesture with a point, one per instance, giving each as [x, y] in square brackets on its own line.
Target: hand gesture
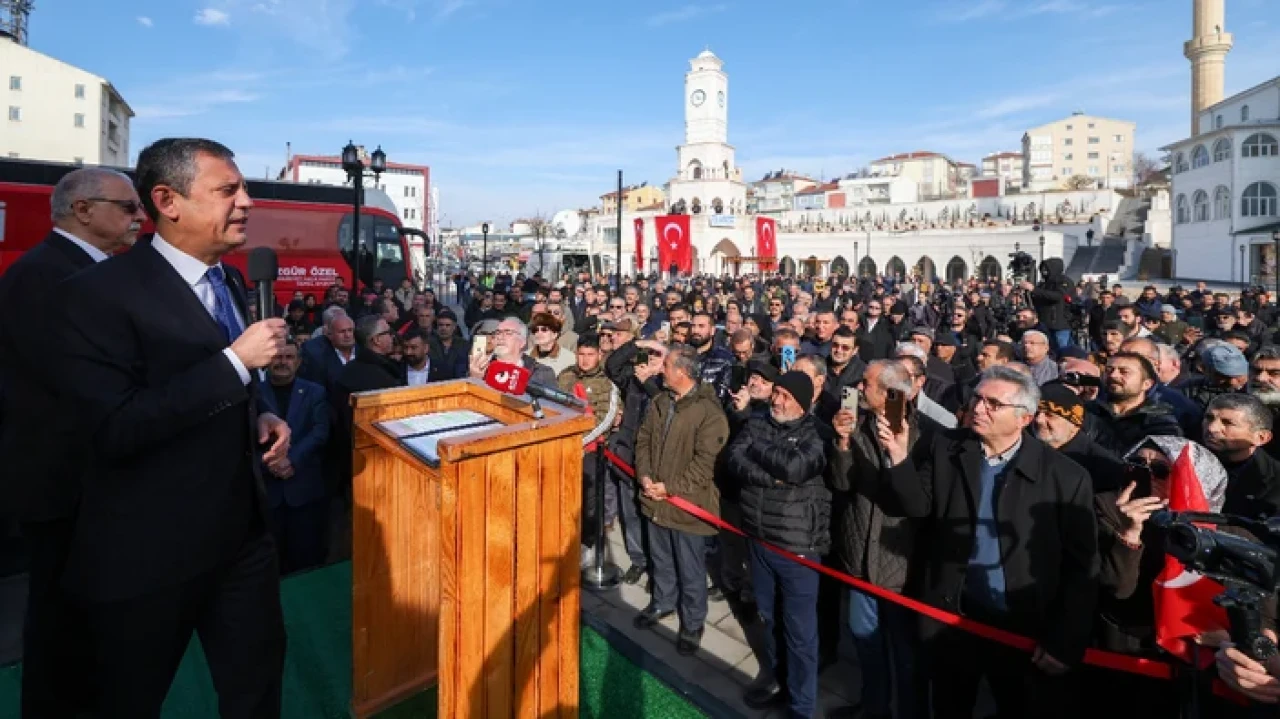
[261, 343]
[1247, 676]
[741, 398]
[270, 426]
[894, 443]
[282, 469]
[1136, 512]
[1027, 286]
[657, 491]
[478, 365]
[1046, 663]
[843, 424]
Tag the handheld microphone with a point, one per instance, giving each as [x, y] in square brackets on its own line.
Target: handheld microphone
[264, 268]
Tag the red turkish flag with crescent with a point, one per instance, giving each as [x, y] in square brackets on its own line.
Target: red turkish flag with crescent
[1183, 599]
[639, 244]
[675, 246]
[767, 242]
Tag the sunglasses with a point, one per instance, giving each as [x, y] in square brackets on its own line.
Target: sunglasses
[1158, 469]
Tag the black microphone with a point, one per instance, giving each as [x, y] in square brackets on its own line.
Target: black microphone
[554, 395]
[264, 268]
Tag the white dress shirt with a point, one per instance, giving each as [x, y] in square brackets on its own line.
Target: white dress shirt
[93, 252]
[195, 274]
[419, 377]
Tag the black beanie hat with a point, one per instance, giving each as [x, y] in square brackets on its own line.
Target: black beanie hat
[799, 385]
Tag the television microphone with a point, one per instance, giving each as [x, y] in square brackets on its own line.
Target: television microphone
[264, 268]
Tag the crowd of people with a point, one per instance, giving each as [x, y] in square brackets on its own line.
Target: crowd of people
[996, 448]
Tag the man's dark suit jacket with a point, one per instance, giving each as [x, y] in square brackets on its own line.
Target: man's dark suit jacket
[320, 363]
[1047, 529]
[171, 491]
[308, 419]
[38, 451]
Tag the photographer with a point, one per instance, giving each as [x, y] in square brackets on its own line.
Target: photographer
[1050, 299]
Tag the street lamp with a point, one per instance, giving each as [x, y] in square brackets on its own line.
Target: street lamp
[1042, 248]
[484, 259]
[1275, 237]
[353, 164]
[857, 262]
[1243, 275]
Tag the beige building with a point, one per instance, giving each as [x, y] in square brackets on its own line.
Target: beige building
[633, 198]
[1005, 165]
[57, 112]
[1082, 145]
[935, 174]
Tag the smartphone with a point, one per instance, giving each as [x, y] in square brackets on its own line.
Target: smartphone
[895, 410]
[788, 357]
[1139, 474]
[737, 378]
[479, 346]
[849, 400]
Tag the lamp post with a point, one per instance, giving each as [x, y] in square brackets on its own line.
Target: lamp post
[484, 257]
[1275, 237]
[857, 262]
[1243, 274]
[353, 164]
[1042, 248]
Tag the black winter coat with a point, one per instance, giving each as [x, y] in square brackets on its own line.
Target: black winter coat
[1051, 297]
[784, 500]
[1120, 434]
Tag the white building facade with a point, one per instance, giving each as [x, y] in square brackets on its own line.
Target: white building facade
[408, 186]
[1226, 187]
[59, 113]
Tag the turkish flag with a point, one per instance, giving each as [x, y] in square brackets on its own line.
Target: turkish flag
[506, 377]
[1183, 599]
[767, 242]
[639, 244]
[675, 246]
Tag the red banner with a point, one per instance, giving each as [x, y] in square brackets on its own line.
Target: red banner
[675, 246]
[639, 244]
[767, 242]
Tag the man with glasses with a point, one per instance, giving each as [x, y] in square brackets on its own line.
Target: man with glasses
[508, 345]
[95, 213]
[1016, 547]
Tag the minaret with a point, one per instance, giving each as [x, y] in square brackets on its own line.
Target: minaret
[1207, 50]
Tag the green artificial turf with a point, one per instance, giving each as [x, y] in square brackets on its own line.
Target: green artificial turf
[317, 673]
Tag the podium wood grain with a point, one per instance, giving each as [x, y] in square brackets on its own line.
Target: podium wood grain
[467, 574]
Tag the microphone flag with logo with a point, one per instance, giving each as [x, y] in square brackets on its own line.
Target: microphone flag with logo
[1183, 600]
[639, 244]
[675, 246]
[506, 377]
[767, 242]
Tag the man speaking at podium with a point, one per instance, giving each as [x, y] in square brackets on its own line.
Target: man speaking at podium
[171, 536]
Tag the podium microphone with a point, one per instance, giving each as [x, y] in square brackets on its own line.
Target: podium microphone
[554, 395]
[264, 268]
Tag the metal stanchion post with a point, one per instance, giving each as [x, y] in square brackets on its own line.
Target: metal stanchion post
[601, 575]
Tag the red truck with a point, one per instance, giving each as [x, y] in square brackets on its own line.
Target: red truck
[308, 225]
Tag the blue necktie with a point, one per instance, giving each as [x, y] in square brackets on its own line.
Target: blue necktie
[223, 309]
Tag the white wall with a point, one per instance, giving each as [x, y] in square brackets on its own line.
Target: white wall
[411, 207]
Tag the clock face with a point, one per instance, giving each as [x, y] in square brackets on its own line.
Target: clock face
[720, 98]
[698, 98]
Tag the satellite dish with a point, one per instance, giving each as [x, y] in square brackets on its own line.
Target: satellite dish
[568, 222]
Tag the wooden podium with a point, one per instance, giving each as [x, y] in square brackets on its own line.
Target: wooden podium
[466, 574]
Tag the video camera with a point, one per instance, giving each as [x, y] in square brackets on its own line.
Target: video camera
[1247, 569]
[1022, 266]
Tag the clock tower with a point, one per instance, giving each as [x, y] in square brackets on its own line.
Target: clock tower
[706, 101]
[707, 179]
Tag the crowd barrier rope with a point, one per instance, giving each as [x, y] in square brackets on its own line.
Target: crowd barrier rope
[1152, 668]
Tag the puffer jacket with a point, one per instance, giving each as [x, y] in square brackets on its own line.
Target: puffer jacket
[677, 446]
[715, 367]
[779, 469]
[1120, 434]
[602, 395]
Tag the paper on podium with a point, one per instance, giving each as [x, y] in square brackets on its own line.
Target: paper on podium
[421, 434]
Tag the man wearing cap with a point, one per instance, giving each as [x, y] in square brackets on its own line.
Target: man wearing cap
[779, 462]
[1225, 371]
[1058, 423]
[1171, 328]
[1128, 415]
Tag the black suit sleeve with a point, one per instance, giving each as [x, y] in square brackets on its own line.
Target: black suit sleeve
[103, 364]
[1069, 619]
[909, 485]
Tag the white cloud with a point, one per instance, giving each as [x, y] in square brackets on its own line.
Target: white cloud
[684, 14]
[1005, 10]
[212, 89]
[212, 16]
[1070, 7]
[1014, 105]
[145, 21]
[976, 11]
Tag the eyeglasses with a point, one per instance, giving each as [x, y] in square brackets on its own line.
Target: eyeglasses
[548, 330]
[1158, 469]
[993, 405]
[129, 206]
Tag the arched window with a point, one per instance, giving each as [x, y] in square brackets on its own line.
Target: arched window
[1199, 157]
[1182, 214]
[1222, 150]
[1222, 203]
[1259, 145]
[1258, 200]
[1180, 163]
[1244, 114]
[1200, 206]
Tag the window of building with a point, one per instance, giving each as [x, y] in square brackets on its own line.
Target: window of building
[1095, 140]
[1199, 157]
[1222, 150]
[1180, 163]
[1259, 145]
[1091, 126]
[15, 114]
[1093, 171]
[1182, 211]
[1067, 171]
[1070, 127]
[1117, 169]
[1258, 200]
[1118, 138]
[1068, 142]
[15, 82]
[1093, 155]
[1068, 156]
[1244, 114]
[1222, 203]
[79, 92]
[1217, 122]
[1200, 206]
[79, 119]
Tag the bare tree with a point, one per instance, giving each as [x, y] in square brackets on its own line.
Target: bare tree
[540, 226]
[1080, 182]
[1145, 168]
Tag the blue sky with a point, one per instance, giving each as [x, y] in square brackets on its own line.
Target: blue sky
[522, 107]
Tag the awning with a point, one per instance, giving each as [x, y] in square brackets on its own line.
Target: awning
[1260, 230]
